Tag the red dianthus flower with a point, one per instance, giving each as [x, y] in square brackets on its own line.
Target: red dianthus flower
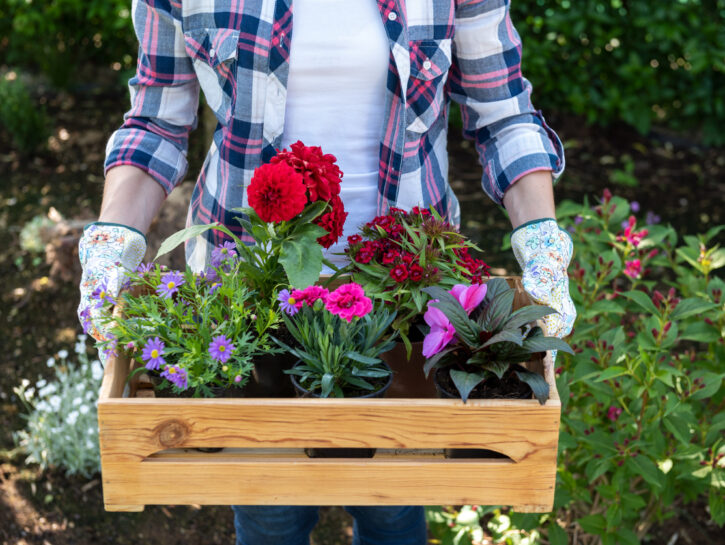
[416, 272]
[333, 221]
[276, 192]
[399, 273]
[320, 174]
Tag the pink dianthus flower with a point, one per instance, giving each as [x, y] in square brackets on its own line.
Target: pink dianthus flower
[349, 301]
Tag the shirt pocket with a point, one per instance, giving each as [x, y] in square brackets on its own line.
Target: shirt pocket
[430, 61]
[213, 52]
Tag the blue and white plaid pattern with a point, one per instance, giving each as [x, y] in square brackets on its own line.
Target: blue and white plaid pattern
[237, 52]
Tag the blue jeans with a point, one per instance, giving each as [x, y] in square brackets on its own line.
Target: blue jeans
[288, 525]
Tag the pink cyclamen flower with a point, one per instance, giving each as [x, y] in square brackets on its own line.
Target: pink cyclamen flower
[469, 296]
[441, 332]
[633, 268]
[613, 413]
[309, 295]
[349, 301]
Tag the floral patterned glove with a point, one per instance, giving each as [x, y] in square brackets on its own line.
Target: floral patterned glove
[543, 251]
[106, 251]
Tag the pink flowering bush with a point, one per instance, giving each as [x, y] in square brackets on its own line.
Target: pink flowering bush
[340, 338]
[642, 398]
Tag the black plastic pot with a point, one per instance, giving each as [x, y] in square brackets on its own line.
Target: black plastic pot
[341, 452]
[269, 378]
[461, 452]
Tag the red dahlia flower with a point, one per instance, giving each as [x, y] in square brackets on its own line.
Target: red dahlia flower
[333, 221]
[320, 174]
[276, 192]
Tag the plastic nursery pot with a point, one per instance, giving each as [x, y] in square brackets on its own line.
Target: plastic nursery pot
[341, 452]
[446, 390]
[269, 378]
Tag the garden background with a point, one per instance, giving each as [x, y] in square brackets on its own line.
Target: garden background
[634, 89]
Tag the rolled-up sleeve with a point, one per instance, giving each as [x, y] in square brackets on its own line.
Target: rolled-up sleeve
[511, 137]
[164, 98]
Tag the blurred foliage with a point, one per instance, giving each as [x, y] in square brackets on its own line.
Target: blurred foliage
[26, 124]
[640, 62]
[59, 37]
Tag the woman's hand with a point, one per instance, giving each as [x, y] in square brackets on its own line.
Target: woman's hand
[106, 252]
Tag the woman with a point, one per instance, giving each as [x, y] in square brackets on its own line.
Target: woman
[368, 81]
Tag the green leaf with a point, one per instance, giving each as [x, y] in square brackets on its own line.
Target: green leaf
[712, 382]
[436, 359]
[466, 382]
[498, 368]
[327, 382]
[700, 332]
[690, 307]
[557, 535]
[527, 315]
[190, 232]
[498, 310]
[537, 383]
[542, 344]
[679, 427]
[301, 257]
[648, 470]
[716, 502]
[507, 335]
[593, 524]
[643, 300]
[611, 372]
[466, 329]
[361, 358]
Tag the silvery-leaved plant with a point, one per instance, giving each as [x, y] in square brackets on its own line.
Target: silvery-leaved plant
[62, 422]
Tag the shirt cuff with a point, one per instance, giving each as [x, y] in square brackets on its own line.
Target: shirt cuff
[148, 151]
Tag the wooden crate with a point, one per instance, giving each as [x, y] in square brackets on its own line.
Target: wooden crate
[147, 454]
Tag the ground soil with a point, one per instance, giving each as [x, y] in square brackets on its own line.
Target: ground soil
[677, 179]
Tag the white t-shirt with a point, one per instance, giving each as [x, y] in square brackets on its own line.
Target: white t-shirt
[336, 96]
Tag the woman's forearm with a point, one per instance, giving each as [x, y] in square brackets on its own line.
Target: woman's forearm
[130, 197]
[530, 198]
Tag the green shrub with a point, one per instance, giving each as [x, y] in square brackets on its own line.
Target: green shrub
[642, 399]
[62, 421]
[60, 36]
[640, 62]
[24, 121]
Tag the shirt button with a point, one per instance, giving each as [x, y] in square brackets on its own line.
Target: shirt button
[392, 16]
[212, 52]
[427, 64]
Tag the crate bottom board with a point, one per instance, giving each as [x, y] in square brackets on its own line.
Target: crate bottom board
[268, 477]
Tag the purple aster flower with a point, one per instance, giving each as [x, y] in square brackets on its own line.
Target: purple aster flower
[85, 316]
[152, 354]
[221, 348]
[287, 302]
[170, 283]
[222, 253]
[144, 268]
[652, 218]
[634, 206]
[110, 349]
[210, 275]
[177, 376]
[578, 219]
[102, 295]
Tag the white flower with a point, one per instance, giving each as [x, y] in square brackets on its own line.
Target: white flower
[77, 401]
[29, 393]
[72, 418]
[63, 354]
[50, 362]
[97, 369]
[90, 445]
[54, 402]
[42, 382]
[25, 383]
[84, 409]
[47, 390]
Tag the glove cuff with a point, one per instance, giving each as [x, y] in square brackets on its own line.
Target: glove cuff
[541, 236]
[111, 224]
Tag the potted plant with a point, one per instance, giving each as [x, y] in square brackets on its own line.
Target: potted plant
[477, 343]
[194, 334]
[340, 338]
[395, 256]
[295, 211]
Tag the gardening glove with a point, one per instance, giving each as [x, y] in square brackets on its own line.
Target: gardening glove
[543, 251]
[107, 251]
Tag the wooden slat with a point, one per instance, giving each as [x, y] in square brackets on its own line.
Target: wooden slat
[386, 480]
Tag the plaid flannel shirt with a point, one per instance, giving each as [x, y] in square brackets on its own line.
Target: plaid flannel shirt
[237, 52]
